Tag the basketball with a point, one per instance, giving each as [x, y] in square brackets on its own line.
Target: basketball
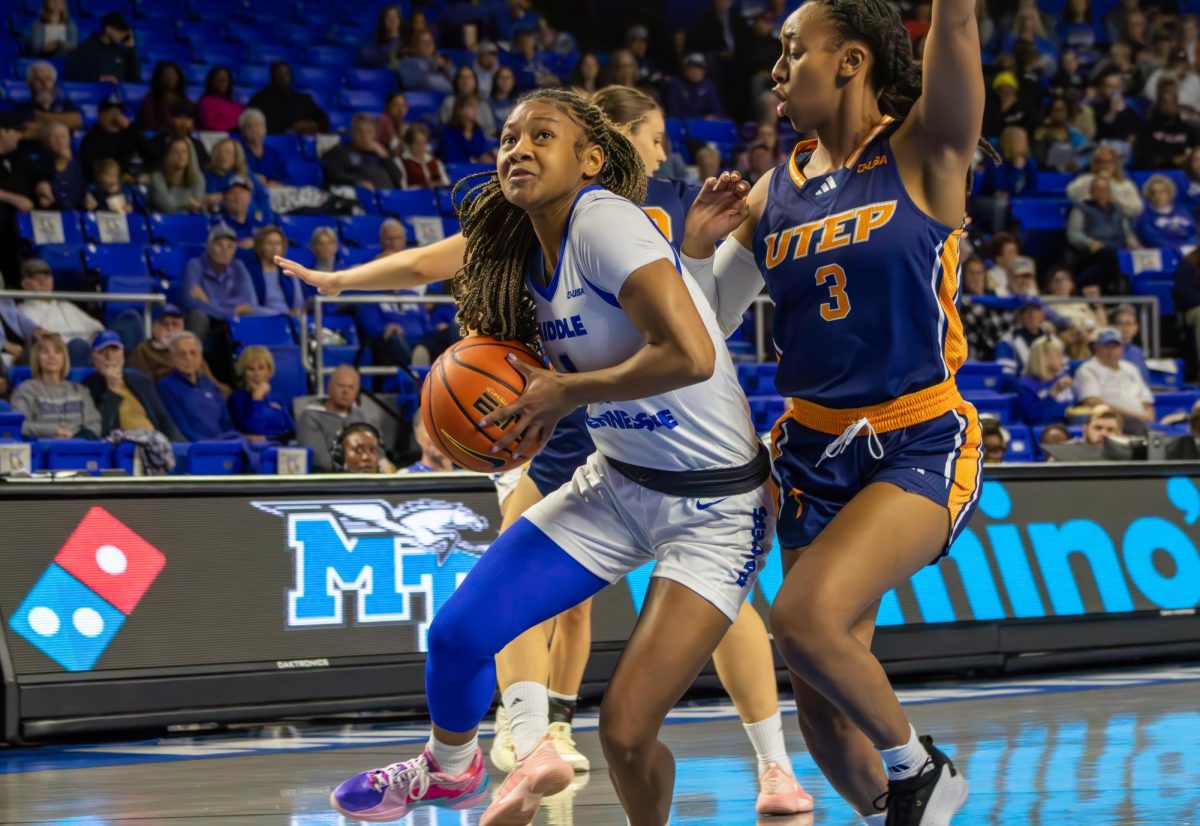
[468, 381]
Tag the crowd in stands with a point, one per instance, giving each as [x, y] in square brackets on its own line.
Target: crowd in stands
[221, 134]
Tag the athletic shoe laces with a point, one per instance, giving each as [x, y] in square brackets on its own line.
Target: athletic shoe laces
[411, 775]
[561, 733]
[903, 797]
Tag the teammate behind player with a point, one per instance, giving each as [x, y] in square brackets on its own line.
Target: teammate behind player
[540, 248]
[878, 460]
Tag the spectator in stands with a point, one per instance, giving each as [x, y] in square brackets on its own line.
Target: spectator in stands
[465, 83]
[994, 440]
[62, 318]
[167, 89]
[1012, 351]
[485, 65]
[463, 140]
[126, 399]
[182, 124]
[216, 289]
[47, 103]
[708, 162]
[1116, 20]
[391, 328]
[1097, 229]
[1055, 434]
[587, 74]
[1191, 195]
[17, 332]
[1028, 27]
[422, 69]
[319, 423]
[1015, 176]
[16, 191]
[237, 211]
[115, 137]
[1115, 121]
[1061, 284]
[983, 325]
[692, 94]
[1125, 319]
[276, 295]
[1045, 391]
[1059, 143]
[193, 400]
[228, 162]
[361, 450]
[432, 460]
[504, 94]
[54, 408]
[323, 244]
[1078, 29]
[1023, 281]
[534, 68]
[1165, 223]
[390, 125]
[266, 162]
[762, 161]
[623, 68]
[108, 190]
[1101, 423]
[153, 356]
[1166, 137]
[178, 185]
[107, 55]
[1006, 107]
[387, 45]
[393, 237]
[217, 111]
[285, 109]
[53, 32]
[258, 413]
[1179, 68]
[1186, 294]
[1005, 253]
[1106, 163]
[362, 161]
[63, 186]
[1106, 378]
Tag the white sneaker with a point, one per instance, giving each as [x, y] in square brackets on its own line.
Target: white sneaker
[564, 744]
[503, 753]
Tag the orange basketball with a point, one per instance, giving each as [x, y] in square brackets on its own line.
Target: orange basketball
[468, 381]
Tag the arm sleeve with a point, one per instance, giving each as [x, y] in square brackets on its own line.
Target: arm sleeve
[309, 435]
[191, 278]
[1006, 357]
[593, 232]
[1127, 198]
[730, 280]
[1078, 188]
[1086, 386]
[1076, 237]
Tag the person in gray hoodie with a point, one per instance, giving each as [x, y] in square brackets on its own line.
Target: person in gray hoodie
[320, 422]
[54, 408]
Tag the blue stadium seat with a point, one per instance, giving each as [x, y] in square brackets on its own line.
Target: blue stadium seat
[299, 228]
[132, 93]
[73, 454]
[368, 199]
[765, 411]
[458, 171]
[254, 74]
[171, 10]
[18, 374]
[420, 103]
[11, 423]
[169, 263]
[266, 330]
[382, 81]
[361, 100]
[445, 200]
[158, 51]
[286, 145]
[270, 460]
[72, 233]
[353, 256]
[405, 202]
[1002, 405]
[1020, 444]
[66, 260]
[15, 89]
[138, 231]
[335, 56]
[226, 54]
[757, 379]
[1040, 213]
[126, 284]
[181, 228]
[1167, 378]
[264, 54]
[980, 375]
[93, 93]
[290, 379]
[216, 458]
[360, 230]
[1161, 288]
[450, 226]
[720, 132]
[115, 259]
[317, 77]
[1178, 400]
[304, 173]
[1052, 183]
[1155, 263]
[336, 354]
[198, 32]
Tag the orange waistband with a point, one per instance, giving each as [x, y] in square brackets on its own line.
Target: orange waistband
[906, 411]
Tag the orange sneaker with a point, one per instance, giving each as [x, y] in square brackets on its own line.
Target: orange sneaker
[780, 794]
[543, 772]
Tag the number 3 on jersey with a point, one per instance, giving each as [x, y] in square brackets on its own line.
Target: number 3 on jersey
[838, 307]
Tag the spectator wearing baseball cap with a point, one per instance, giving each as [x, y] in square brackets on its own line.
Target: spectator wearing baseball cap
[62, 317]
[1007, 106]
[1180, 69]
[237, 211]
[486, 64]
[114, 136]
[127, 400]
[153, 356]
[107, 55]
[1106, 378]
[216, 289]
[1012, 351]
[691, 93]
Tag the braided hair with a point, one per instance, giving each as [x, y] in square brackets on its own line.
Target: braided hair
[894, 72]
[490, 287]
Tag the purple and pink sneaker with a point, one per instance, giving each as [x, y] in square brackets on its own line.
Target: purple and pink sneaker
[392, 792]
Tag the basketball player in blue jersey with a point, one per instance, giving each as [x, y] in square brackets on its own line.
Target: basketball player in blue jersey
[744, 659]
[679, 475]
[878, 460]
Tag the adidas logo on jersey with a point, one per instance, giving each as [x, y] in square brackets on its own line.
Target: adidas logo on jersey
[829, 186]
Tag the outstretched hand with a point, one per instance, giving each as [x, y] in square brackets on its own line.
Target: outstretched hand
[325, 282]
[718, 210]
[534, 414]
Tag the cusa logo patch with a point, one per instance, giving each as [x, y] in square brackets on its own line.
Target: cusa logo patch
[80, 603]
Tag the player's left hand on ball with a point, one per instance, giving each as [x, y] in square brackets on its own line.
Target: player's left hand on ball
[534, 414]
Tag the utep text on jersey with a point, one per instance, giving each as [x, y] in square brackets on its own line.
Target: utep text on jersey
[864, 282]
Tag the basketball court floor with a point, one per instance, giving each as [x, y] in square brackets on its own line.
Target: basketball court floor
[1079, 749]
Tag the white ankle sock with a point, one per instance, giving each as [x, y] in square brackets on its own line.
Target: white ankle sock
[528, 707]
[875, 820]
[767, 738]
[905, 761]
[453, 760]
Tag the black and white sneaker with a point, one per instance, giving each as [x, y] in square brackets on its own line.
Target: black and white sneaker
[930, 798]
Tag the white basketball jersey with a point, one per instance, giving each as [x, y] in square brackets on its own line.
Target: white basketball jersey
[583, 327]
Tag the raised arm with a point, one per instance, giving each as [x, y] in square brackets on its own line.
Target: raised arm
[402, 270]
[949, 113]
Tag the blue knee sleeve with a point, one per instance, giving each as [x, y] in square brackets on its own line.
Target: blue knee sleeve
[522, 580]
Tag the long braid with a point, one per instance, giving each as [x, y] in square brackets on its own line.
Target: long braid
[490, 287]
[895, 74]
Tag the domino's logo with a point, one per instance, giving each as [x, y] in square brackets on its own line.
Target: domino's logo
[80, 603]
